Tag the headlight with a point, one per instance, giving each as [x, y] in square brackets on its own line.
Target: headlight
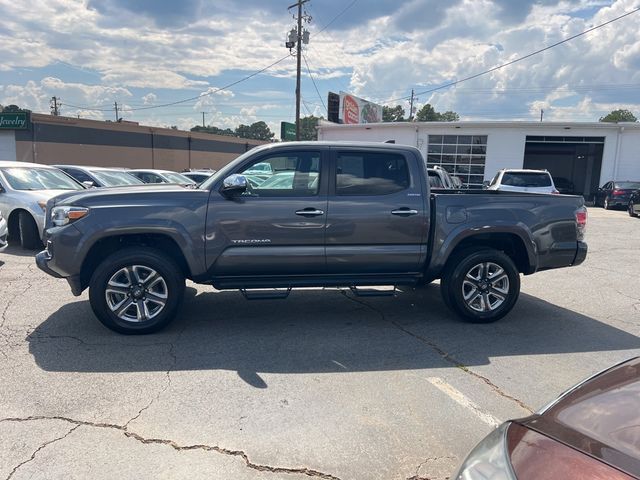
[64, 214]
[489, 460]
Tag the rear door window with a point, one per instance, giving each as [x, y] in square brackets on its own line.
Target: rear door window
[370, 173]
[526, 179]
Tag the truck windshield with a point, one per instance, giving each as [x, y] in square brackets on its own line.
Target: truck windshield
[526, 179]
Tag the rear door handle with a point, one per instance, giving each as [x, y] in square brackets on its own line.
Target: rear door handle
[310, 212]
[404, 212]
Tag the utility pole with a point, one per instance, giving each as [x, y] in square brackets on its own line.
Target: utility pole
[54, 106]
[411, 107]
[298, 41]
[203, 126]
[116, 105]
[541, 114]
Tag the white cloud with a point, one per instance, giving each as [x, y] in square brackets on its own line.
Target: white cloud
[417, 44]
[149, 99]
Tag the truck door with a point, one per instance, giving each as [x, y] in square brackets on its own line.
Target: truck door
[377, 221]
[276, 227]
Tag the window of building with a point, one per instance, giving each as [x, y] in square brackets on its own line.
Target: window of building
[371, 173]
[461, 155]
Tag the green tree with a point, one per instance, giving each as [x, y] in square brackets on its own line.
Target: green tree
[428, 114]
[215, 130]
[449, 116]
[12, 109]
[393, 114]
[619, 115]
[308, 128]
[257, 131]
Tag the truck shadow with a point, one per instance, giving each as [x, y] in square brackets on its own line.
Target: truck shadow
[316, 331]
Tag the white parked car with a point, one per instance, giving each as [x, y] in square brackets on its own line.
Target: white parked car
[3, 233]
[527, 181]
[24, 191]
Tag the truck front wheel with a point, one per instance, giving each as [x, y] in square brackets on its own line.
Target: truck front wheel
[136, 291]
[480, 286]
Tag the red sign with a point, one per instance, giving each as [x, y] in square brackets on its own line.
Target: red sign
[350, 110]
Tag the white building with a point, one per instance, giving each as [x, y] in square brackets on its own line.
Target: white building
[586, 154]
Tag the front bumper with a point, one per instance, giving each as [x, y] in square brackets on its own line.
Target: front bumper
[42, 261]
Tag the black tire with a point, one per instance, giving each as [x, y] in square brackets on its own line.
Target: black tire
[144, 292]
[455, 284]
[28, 231]
[630, 210]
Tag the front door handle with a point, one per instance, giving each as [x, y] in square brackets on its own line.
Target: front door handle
[404, 212]
[310, 212]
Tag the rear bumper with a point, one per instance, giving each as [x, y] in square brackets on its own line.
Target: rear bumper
[581, 253]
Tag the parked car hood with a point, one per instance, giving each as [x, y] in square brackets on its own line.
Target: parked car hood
[44, 195]
[600, 417]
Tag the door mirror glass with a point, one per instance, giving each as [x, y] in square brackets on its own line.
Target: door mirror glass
[234, 185]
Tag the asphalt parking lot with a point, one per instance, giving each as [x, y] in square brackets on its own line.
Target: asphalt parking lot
[320, 385]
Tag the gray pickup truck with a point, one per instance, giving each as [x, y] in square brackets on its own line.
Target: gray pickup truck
[323, 214]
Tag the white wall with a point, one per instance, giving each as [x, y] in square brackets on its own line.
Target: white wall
[7, 145]
[404, 135]
[628, 167]
[506, 144]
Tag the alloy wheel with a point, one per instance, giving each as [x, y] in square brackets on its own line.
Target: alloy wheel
[136, 293]
[485, 287]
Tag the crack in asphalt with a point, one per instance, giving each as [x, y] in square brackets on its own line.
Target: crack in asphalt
[44, 445]
[427, 460]
[174, 357]
[170, 443]
[445, 356]
[3, 316]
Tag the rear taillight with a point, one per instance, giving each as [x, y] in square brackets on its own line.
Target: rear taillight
[618, 192]
[581, 221]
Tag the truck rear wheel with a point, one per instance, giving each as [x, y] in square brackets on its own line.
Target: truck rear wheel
[136, 291]
[480, 286]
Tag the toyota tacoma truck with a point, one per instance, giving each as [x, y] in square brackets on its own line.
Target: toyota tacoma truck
[324, 214]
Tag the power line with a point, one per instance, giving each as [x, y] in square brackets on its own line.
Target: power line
[519, 59]
[314, 82]
[337, 17]
[211, 92]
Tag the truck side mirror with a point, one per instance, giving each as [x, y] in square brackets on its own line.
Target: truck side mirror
[234, 185]
[2, 190]
[485, 184]
[88, 184]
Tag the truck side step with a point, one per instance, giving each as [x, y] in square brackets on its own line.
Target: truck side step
[373, 292]
[265, 293]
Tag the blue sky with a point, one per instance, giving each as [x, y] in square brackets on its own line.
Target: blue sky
[146, 53]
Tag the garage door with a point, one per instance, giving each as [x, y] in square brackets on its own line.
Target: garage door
[7, 145]
[574, 162]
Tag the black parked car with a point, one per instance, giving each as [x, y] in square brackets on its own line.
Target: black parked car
[615, 194]
[634, 204]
